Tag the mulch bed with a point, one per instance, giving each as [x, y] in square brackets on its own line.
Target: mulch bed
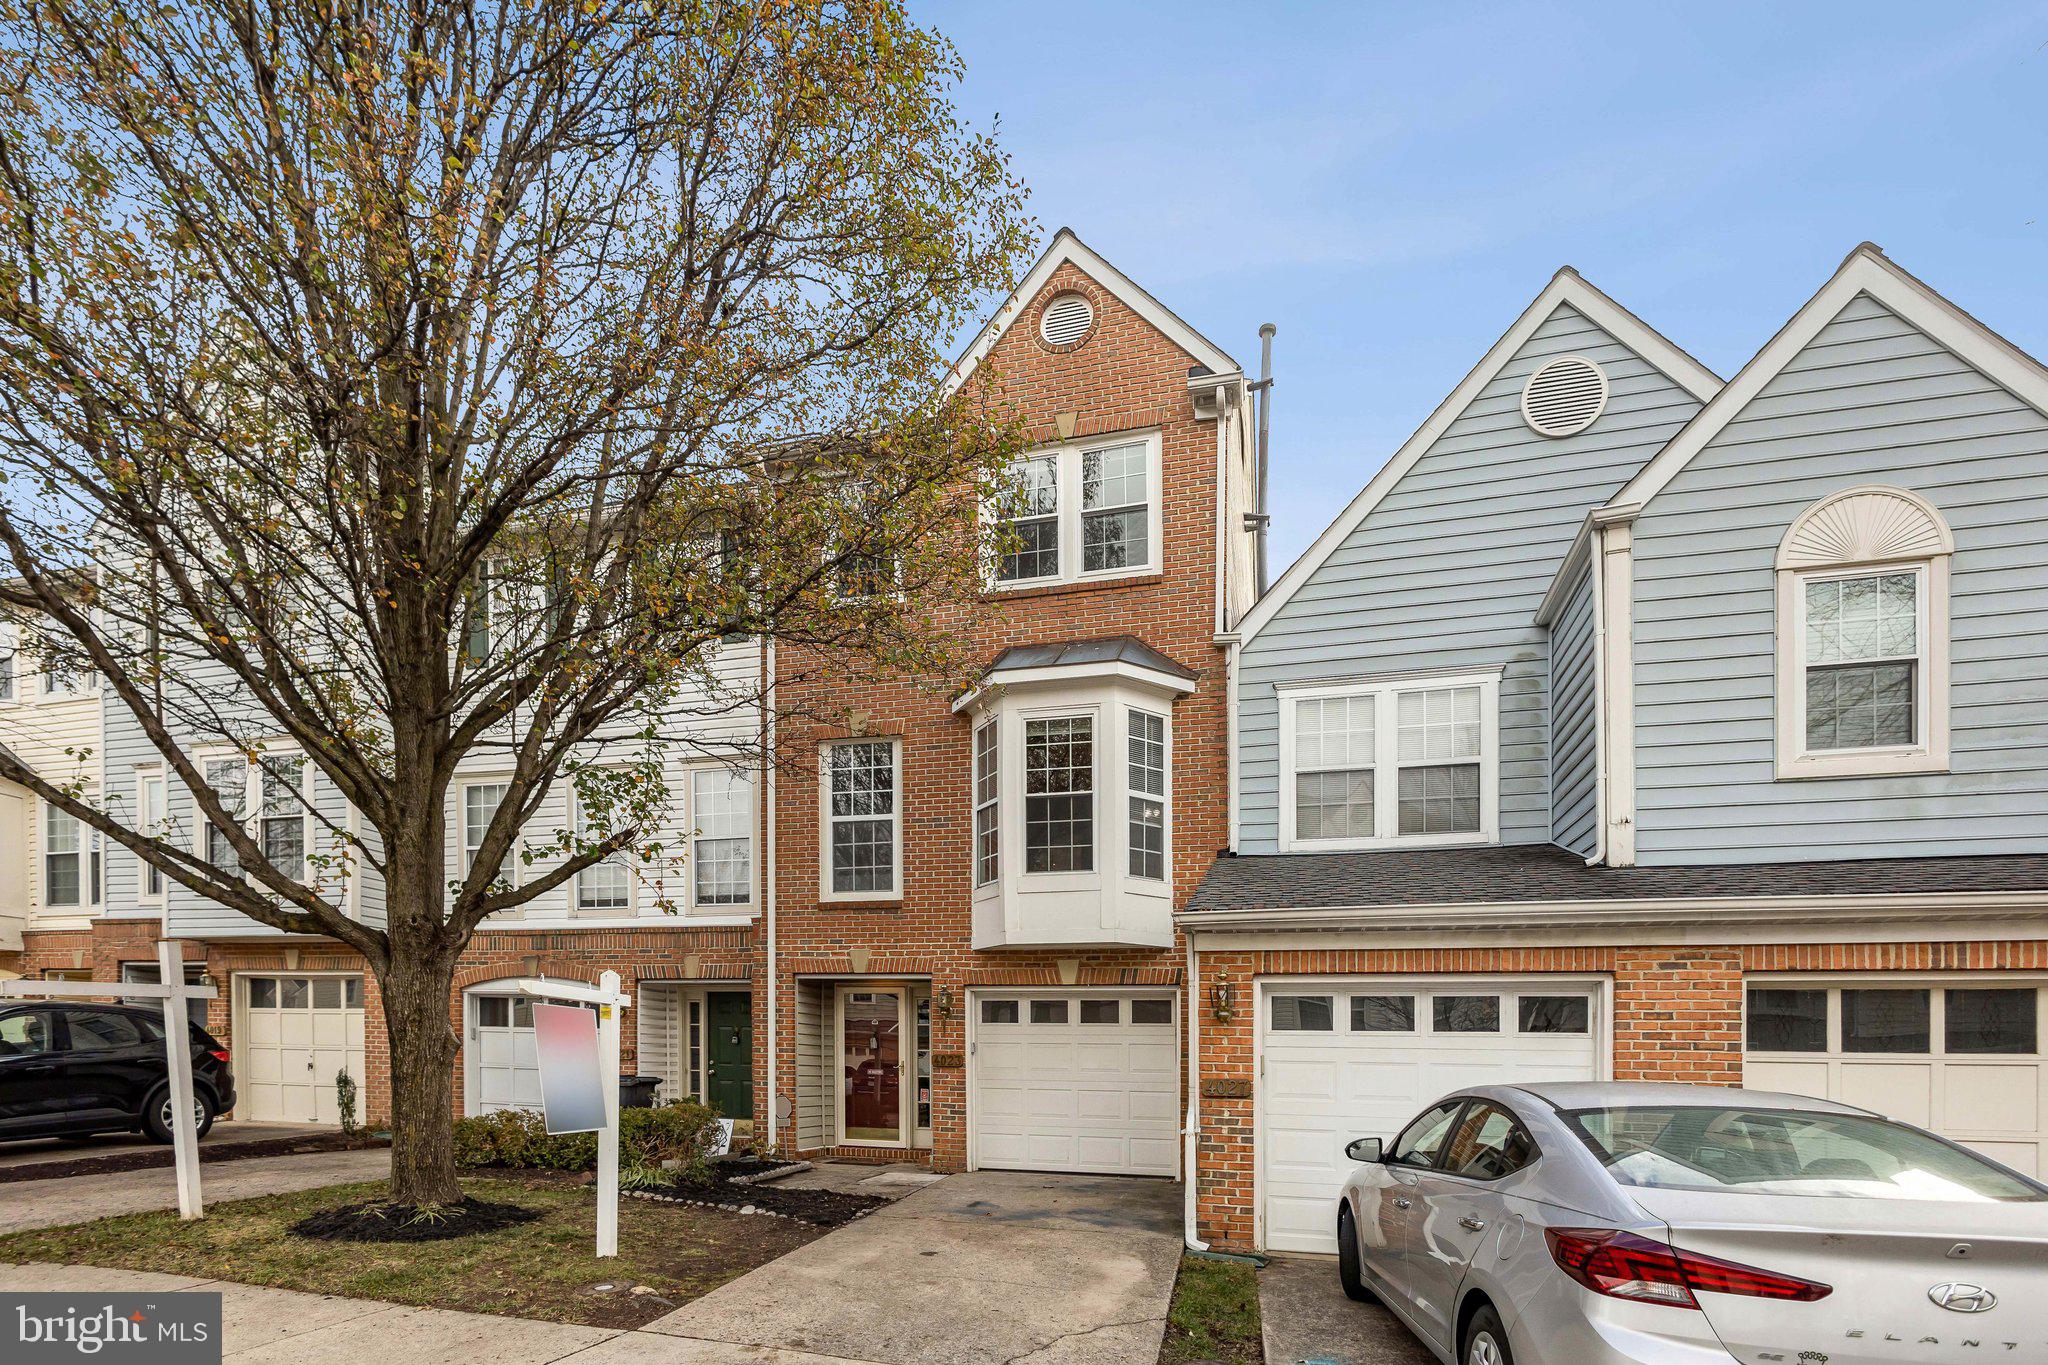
[819, 1208]
[377, 1221]
[150, 1158]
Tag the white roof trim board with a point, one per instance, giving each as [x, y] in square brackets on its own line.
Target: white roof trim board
[1566, 287]
[1866, 271]
[1067, 247]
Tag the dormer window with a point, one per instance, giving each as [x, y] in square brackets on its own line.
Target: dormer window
[1080, 512]
[1863, 637]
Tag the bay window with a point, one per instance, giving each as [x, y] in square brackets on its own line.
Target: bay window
[1059, 794]
[1388, 762]
[863, 827]
[1079, 512]
[1147, 782]
[988, 858]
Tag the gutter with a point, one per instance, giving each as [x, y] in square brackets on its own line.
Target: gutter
[1641, 910]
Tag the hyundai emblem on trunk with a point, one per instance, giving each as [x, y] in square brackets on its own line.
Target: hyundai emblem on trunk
[1958, 1297]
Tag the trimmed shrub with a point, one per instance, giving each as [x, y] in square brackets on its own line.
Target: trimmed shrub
[680, 1132]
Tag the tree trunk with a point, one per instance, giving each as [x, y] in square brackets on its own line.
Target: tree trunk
[423, 1049]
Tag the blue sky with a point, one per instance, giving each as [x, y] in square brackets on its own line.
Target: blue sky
[1392, 183]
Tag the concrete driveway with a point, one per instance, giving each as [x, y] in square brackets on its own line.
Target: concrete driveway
[1307, 1318]
[991, 1266]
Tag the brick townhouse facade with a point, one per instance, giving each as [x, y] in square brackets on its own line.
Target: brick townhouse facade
[1005, 989]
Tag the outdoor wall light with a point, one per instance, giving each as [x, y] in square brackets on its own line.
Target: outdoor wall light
[942, 1004]
[1222, 1002]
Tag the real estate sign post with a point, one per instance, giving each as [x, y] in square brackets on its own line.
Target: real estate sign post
[579, 1078]
[170, 988]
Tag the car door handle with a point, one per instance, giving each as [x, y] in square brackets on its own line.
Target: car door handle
[1403, 1204]
[1474, 1224]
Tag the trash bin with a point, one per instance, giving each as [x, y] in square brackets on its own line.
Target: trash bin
[637, 1092]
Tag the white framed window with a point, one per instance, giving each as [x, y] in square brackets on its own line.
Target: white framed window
[228, 779]
[1147, 785]
[66, 675]
[1382, 763]
[480, 802]
[71, 861]
[1080, 512]
[284, 816]
[604, 888]
[722, 845]
[1059, 794]
[1863, 637]
[863, 835]
[8, 644]
[153, 817]
[988, 833]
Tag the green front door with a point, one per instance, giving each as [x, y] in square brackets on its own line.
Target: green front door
[729, 1082]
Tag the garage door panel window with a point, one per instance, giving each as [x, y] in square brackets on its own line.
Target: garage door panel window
[1466, 1013]
[1301, 1014]
[1151, 1011]
[998, 1011]
[1885, 1020]
[1102, 1011]
[1788, 1021]
[1554, 1013]
[1048, 1011]
[1979, 1022]
[1379, 764]
[1383, 1014]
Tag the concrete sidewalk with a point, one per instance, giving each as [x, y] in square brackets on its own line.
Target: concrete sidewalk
[263, 1325]
[83, 1198]
[1307, 1318]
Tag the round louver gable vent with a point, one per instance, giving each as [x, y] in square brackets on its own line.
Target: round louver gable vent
[1066, 320]
[1565, 396]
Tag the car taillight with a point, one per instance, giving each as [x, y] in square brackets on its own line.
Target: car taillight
[218, 1054]
[1623, 1265]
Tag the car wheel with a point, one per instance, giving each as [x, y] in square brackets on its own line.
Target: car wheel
[1347, 1259]
[1486, 1341]
[156, 1114]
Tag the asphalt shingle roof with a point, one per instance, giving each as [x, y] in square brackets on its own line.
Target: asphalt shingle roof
[1544, 872]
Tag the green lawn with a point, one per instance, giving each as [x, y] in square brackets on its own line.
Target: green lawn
[544, 1269]
[1215, 1314]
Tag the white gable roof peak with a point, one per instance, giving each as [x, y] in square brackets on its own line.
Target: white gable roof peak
[1065, 248]
[1566, 288]
[1866, 270]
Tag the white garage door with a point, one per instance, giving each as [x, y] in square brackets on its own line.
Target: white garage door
[1075, 1082]
[1962, 1059]
[297, 1033]
[1359, 1057]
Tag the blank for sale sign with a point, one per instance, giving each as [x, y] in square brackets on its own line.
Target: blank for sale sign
[571, 1088]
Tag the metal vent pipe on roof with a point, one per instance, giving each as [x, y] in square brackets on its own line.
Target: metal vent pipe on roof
[1260, 517]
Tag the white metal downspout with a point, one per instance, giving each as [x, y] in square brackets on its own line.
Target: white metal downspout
[1596, 564]
[1191, 1141]
[768, 888]
[1222, 511]
[1231, 659]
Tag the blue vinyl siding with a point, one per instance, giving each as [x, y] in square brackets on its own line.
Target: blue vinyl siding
[1872, 400]
[1574, 756]
[1447, 571]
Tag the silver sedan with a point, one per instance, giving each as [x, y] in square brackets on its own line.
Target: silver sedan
[1598, 1224]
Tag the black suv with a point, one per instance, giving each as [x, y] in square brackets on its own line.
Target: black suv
[72, 1070]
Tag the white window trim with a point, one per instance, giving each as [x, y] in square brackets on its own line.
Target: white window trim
[1067, 464]
[1929, 753]
[91, 897]
[510, 872]
[144, 778]
[17, 683]
[255, 806]
[624, 858]
[1108, 855]
[992, 727]
[1165, 796]
[825, 821]
[693, 833]
[1386, 766]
